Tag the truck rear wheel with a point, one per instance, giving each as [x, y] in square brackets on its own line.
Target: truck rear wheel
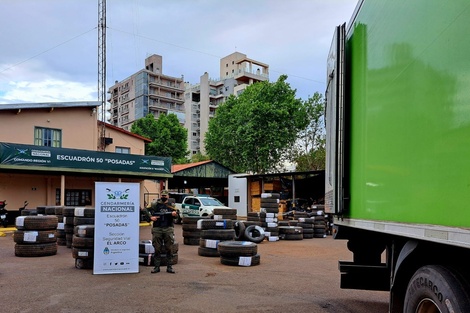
[435, 288]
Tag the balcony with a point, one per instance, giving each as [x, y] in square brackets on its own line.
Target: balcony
[154, 95]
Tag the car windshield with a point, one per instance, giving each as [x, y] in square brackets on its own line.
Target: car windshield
[210, 201]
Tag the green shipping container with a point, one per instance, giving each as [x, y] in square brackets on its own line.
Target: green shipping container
[407, 114]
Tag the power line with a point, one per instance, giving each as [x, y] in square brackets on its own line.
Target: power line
[45, 51]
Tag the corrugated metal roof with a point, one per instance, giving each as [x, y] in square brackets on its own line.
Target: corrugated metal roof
[180, 167]
[48, 105]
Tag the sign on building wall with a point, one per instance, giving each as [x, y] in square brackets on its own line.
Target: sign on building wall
[61, 158]
[117, 211]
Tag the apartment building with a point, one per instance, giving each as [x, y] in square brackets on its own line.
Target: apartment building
[150, 91]
[237, 72]
[147, 91]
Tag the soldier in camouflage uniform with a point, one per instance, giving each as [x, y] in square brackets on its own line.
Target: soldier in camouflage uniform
[161, 213]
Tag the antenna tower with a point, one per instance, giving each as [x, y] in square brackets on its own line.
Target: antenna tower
[102, 71]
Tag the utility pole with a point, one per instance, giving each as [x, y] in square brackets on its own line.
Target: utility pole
[102, 71]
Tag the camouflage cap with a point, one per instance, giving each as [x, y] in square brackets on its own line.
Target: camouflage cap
[164, 192]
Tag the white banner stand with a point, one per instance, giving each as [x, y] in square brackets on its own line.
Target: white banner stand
[117, 213]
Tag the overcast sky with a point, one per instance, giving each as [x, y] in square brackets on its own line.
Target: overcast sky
[49, 48]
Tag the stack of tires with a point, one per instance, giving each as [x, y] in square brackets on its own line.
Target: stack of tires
[35, 236]
[238, 253]
[83, 244]
[291, 233]
[268, 215]
[252, 217]
[214, 232]
[191, 234]
[307, 224]
[83, 237]
[319, 225]
[147, 254]
[68, 212]
[60, 231]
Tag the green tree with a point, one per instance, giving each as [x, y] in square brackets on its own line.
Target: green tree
[169, 138]
[254, 131]
[309, 153]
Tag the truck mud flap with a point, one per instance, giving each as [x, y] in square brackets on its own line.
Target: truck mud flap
[366, 277]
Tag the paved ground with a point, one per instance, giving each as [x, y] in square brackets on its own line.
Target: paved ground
[294, 276]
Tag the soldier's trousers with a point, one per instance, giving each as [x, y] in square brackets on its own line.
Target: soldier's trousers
[163, 239]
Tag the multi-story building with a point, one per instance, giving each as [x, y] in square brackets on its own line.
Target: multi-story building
[147, 91]
[201, 100]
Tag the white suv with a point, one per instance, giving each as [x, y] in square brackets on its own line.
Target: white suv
[200, 205]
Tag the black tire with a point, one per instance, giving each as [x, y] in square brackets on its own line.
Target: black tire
[293, 236]
[84, 230]
[269, 200]
[192, 234]
[68, 211]
[35, 222]
[49, 210]
[84, 212]
[216, 224]
[79, 253]
[270, 210]
[189, 227]
[225, 211]
[207, 243]
[230, 217]
[82, 242]
[58, 210]
[237, 248]
[268, 195]
[218, 234]
[60, 233]
[436, 286]
[236, 261]
[290, 230]
[84, 264]
[34, 236]
[191, 241]
[36, 250]
[83, 221]
[27, 212]
[146, 259]
[269, 205]
[208, 252]
[239, 227]
[254, 233]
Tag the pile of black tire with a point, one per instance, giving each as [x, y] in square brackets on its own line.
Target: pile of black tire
[83, 237]
[147, 254]
[268, 215]
[35, 236]
[191, 232]
[214, 232]
[238, 253]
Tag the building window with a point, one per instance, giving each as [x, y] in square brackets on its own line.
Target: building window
[47, 137]
[123, 150]
[74, 197]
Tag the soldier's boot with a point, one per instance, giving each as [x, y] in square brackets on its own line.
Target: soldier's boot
[169, 269]
[156, 268]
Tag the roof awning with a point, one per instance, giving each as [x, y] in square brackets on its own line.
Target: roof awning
[30, 158]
